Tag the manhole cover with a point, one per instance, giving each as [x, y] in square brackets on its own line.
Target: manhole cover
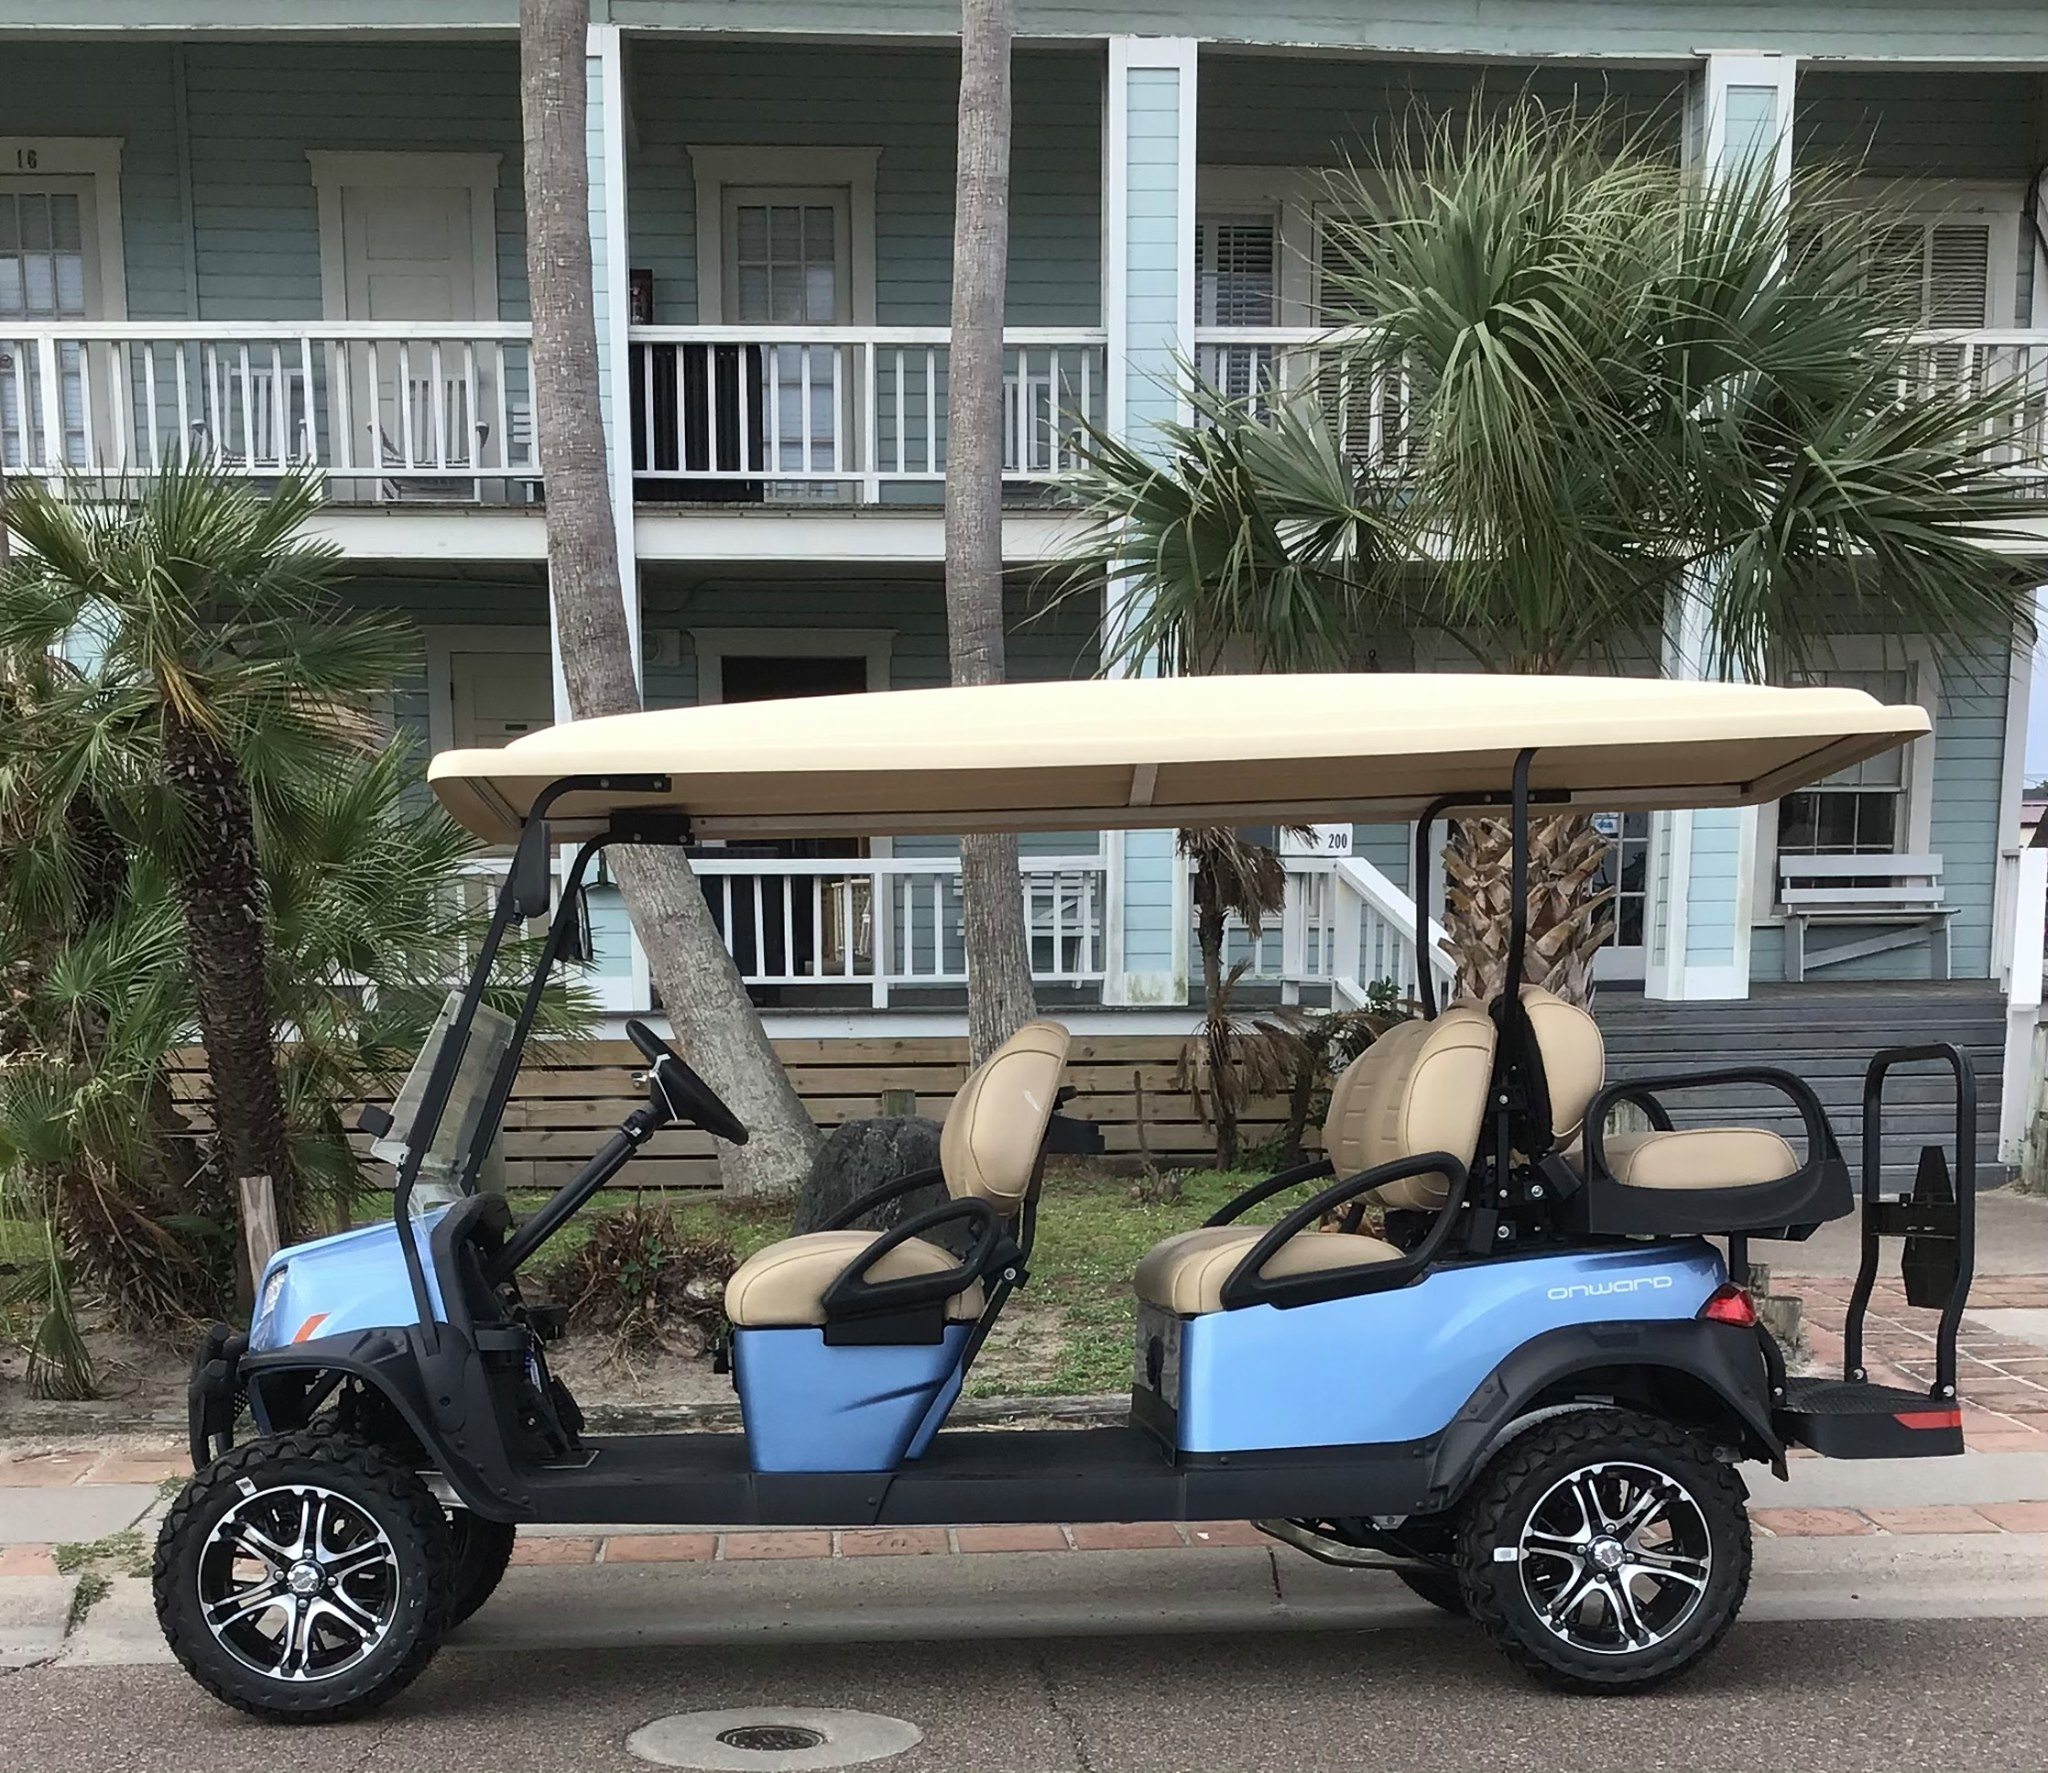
[766, 1738]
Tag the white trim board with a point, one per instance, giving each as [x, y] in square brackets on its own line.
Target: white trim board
[96, 158]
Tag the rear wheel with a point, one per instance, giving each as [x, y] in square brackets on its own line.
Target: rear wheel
[481, 1550]
[1605, 1551]
[304, 1577]
[1440, 1588]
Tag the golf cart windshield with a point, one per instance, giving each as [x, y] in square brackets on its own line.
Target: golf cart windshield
[446, 1160]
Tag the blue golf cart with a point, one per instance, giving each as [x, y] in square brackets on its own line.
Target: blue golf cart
[1529, 1390]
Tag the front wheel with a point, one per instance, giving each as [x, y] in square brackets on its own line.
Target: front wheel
[480, 1549]
[1605, 1551]
[304, 1578]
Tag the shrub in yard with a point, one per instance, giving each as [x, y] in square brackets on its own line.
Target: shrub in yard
[643, 1281]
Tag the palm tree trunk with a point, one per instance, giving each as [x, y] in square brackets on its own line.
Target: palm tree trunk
[1210, 926]
[701, 989]
[220, 886]
[999, 995]
[1569, 919]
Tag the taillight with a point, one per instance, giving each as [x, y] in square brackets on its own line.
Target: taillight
[1730, 1305]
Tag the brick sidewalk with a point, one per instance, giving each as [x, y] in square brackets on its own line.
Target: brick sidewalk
[87, 1468]
[2003, 1379]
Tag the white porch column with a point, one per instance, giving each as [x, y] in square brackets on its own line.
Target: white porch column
[1148, 310]
[606, 132]
[1703, 864]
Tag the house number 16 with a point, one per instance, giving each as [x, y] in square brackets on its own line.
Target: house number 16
[25, 159]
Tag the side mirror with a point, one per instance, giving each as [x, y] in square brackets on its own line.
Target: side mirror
[532, 878]
[577, 944]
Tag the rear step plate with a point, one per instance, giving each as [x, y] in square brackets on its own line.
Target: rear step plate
[1853, 1419]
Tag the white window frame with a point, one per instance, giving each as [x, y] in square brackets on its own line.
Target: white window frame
[1931, 201]
[1869, 652]
[97, 160]
[852, 170]
[1287, 194]
[334, 171]
[713, 645]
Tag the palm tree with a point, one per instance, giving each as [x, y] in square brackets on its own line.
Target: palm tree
[999, 996]
[701, 989]
[1590, 389]
[223, 675]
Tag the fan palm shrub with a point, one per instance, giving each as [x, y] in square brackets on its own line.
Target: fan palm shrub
[224, 673]
[1589, 398]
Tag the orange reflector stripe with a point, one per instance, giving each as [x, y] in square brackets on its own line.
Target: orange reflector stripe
[311, 1327]
[1929, 1418]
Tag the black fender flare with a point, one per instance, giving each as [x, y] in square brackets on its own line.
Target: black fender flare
[442, 1398]
[1723, 1359]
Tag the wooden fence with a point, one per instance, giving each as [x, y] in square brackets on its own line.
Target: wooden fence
[570, 1094]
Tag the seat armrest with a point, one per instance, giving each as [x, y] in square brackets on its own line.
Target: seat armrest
[1648, 1093]
[854, 1295]
[1246, 1285]
[1238, 1205]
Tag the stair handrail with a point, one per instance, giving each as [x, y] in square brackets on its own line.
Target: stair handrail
[1372, 895]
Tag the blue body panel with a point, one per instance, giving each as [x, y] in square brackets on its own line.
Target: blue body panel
[1398, 1366]
[356, 1278]
[808, 1407]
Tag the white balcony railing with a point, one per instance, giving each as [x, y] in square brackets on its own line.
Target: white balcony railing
[385, 411]
[1253, 364]
[750, 413]
[887, 922]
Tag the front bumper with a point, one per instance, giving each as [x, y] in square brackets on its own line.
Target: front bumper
[214, 1394]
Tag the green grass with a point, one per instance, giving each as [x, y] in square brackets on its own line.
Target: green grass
[124, 1551]
[1091, 1234]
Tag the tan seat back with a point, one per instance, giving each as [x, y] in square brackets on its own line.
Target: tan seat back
[989, 1145]
[1574, 1059]
[1420, 1087]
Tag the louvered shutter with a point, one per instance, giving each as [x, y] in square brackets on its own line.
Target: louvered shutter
[1369, 420]
[1236, 261]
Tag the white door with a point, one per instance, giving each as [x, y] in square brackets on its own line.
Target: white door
[49, 273]
[787, 263]
[498, 697]
[1627, 870]
[411, 254]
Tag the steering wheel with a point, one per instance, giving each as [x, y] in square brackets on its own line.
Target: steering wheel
[687, 1095]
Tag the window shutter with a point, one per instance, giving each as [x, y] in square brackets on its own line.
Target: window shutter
[1959, 274]
[1235, 260]
[1941, 268]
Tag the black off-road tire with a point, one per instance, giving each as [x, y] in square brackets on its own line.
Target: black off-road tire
[1510, 1489]
[480, 1549]
[369, 1480]
[1442, 1589]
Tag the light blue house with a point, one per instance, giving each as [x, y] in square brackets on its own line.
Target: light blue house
[296, 233]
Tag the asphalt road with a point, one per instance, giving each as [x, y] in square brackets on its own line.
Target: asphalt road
[1825, 1696]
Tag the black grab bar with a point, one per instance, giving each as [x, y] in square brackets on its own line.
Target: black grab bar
[1910, 1217]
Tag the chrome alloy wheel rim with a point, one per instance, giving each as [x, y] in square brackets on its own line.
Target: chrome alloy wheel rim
[1615, 1558]
[298, 1583]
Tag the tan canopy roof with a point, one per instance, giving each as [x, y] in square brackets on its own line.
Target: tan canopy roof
[1138, 752]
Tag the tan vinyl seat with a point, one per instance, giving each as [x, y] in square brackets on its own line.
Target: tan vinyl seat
[988, 1149]
[1699, 1157]
[1420, 1087]
[1574, 1067]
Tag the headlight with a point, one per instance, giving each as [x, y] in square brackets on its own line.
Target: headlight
[266, 1304]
